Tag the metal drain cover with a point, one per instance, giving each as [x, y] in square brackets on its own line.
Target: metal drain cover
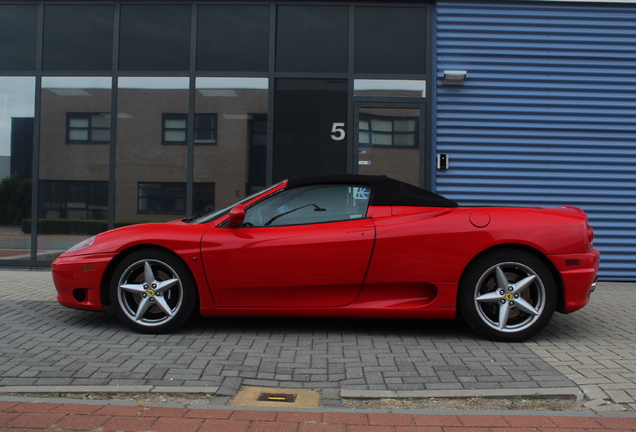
[276, 397]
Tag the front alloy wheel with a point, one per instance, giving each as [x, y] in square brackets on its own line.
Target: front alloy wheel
[152, 291]
[508, 296]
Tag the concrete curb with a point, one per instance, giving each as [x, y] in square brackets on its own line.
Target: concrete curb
[107, 389]
[494, 393]
[572, 392]
[443, 412]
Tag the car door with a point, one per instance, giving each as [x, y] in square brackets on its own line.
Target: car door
[306, 247]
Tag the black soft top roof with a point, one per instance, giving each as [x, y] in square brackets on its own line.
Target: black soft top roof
[385, 191]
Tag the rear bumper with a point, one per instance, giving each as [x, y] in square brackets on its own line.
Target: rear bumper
[78, 279]
[578, 272]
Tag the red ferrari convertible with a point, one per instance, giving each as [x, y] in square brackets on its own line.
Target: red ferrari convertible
[341, 246]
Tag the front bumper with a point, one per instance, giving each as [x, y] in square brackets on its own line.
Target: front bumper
[78, 280]
[578, 272]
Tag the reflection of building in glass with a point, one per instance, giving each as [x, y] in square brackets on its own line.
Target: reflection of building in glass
[5, 166]
[134, 110]
[388, 140]
[237, 157]
[230, 128]
[74, 153]
[21, 146]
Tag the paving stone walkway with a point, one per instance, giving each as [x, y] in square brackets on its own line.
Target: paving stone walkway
[45, 344]
[596, 347]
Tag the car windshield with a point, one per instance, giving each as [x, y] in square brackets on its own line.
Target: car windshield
[217, 214]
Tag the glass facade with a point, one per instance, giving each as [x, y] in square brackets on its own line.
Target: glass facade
[390, 40]
[233, 38]
[16, 152]
[236, 163]
[389, 142]
[120, 112]
[312, 39]
[154, 37]
[18, 37]
[73, 160]
[78, 37]
[305, 109]
[142, 157]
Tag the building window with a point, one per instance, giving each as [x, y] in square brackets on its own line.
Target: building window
[170, 198]
[174, 129]
[87, 128]
[66, 199]
[386, 131]
[203, 200]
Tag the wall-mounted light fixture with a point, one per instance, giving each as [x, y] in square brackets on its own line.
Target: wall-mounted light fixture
[454, 77]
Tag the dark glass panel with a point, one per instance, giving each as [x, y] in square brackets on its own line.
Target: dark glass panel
[390, 40]
[235, 111]
[76, 200]
[389, 143]
[17, 109]
[18, 34]
[78, 37]
[151, 178]
[154, 38]
[312, 38]
[162, 198]
[257, 174]
[73, 161]
[306, 111]
[21, 146]
[203, 199]
[233, 38]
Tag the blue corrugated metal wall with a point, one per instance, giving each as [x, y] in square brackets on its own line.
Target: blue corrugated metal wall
[547, 115]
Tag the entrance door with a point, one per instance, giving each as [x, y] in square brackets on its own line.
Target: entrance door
[309, 120]
[389, 139]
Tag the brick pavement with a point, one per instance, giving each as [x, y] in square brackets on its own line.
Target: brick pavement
[45, 344]
[42, 343]
[596, 346]
[22, 417]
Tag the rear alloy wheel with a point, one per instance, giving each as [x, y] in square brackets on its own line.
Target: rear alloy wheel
[508, 295]
[152, 291]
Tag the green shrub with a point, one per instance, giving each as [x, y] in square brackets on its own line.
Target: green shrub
[15, 196]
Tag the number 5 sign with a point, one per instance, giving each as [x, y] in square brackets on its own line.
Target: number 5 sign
[338, 132]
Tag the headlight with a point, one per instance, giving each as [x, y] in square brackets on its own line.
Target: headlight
[82, 245]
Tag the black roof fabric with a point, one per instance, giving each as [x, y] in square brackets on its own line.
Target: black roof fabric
[385, 191]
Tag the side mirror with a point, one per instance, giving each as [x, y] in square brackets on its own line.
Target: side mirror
[237, 215]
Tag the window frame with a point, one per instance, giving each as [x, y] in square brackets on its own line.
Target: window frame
[393, 133]
[198, 186]
[182, 116]
[87, 116]
[163, 198]
[66, 197]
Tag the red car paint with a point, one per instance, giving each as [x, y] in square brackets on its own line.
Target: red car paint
[398, 261]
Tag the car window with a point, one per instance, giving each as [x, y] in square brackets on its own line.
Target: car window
[309, 205]
[217, 214]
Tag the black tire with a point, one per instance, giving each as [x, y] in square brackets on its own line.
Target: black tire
[152, 291]
[516, 311]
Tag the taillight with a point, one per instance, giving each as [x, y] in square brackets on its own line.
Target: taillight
[590, 235]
